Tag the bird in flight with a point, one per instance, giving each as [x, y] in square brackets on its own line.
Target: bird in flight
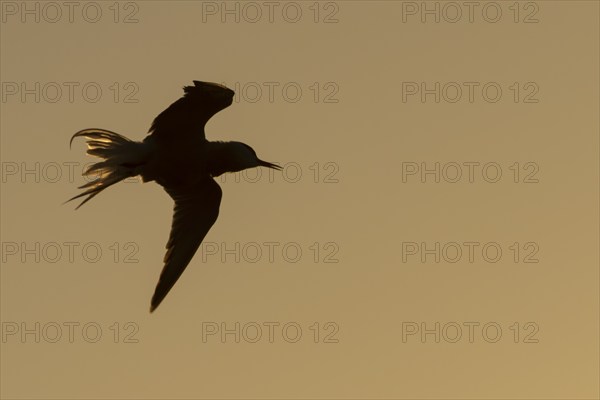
[177, 156]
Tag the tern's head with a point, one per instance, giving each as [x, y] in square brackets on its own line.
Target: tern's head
[213, 97]
[240, 156]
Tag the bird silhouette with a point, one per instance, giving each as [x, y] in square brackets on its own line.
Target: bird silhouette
[177, 156]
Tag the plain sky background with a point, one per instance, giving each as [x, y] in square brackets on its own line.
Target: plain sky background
[345, 142]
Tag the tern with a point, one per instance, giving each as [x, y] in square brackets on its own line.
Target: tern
[176, 155]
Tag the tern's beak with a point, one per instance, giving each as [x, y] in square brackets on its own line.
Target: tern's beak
[269, 165]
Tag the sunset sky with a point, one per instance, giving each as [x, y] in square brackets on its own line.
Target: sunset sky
[433, 234]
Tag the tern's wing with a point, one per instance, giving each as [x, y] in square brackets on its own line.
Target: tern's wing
[188, 115]
[196, 210]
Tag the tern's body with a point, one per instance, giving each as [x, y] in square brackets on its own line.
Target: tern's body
[177, 156]
[181, 162]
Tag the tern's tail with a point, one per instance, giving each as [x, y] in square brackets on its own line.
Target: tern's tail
[122, 158]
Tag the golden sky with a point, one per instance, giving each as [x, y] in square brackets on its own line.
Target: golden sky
[434, 232]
